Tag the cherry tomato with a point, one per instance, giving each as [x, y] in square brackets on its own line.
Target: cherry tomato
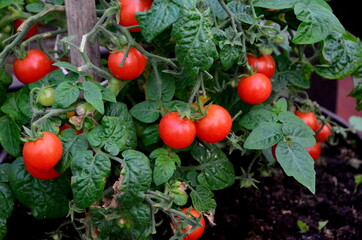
[315, 151]
[197, 233]
[215, 126]
[67, 126]
[134, 65]
[176, 132]
[264, 64]
[309, 118]
[33, 67]
[274, 147]
[324, 133]
[43, 174]
[44, 152]
[46, 97]
[255, 89]
[128, 11]
[32, 31]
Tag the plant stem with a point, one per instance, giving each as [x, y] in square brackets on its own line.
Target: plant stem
[24, 28]
[52, 113]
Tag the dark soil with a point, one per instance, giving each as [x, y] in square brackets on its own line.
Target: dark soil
[272, 211]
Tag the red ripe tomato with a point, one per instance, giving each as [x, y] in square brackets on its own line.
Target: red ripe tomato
[315, 151]
[264, 64]
[67, 126]
[44, 152]
[274, 147]
[324, 133]
[215, 126]
[43, 174]
[197, 233]
[32, 31]
[133, 67]
[128, 11]
[176, 132]
[255, 89]
[33, 67]
[309, 118]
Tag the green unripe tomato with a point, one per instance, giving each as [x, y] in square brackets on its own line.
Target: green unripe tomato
[46, 97]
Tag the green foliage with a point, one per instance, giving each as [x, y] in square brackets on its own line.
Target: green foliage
[118, 172]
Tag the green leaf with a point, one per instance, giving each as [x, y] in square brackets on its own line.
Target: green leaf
[295, 77]
[53, 78]
[175, 106]
[72, 144]
[10, 136]
[5, 82]
[7, 199]
[45, 198]
[137, 178]
[146, 111]
[17, 106]
[216, 8]
[275, 4]
[264, 136]
[114, 135]
[161, 16]
[280, 106]
[108, 95]
[242, 10]
[296, 162]
[5, 3]
[356, 122]
[230, 48]
[341, 57]
[4, 172]
[299, 133]
[194, 48]
[89, 177]
[51, 125]
[3, 228]
[160, 87]
[93, 95]
[34, 7]
[257, 116]
[150, 135]
[318, 22]
[217, 172]
[69, 66]
[202, 199]
[65, 94]
[165, 164]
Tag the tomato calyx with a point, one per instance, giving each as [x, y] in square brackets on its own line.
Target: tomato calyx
[31, 135]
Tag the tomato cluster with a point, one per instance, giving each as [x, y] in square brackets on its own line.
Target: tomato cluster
[256, 88]
[178, 133]
[41, 155]
[323, 132]
[197, 233]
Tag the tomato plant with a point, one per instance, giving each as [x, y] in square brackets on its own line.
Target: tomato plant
[215, 126]
[211, 80]
[255, 89]
[264, 64]
[196, 233]
[133, 67]
[176, 132]
[33, 67]
[128, 11]
[32, 31]
[46, 96]
[44, 152]
[309, 118]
